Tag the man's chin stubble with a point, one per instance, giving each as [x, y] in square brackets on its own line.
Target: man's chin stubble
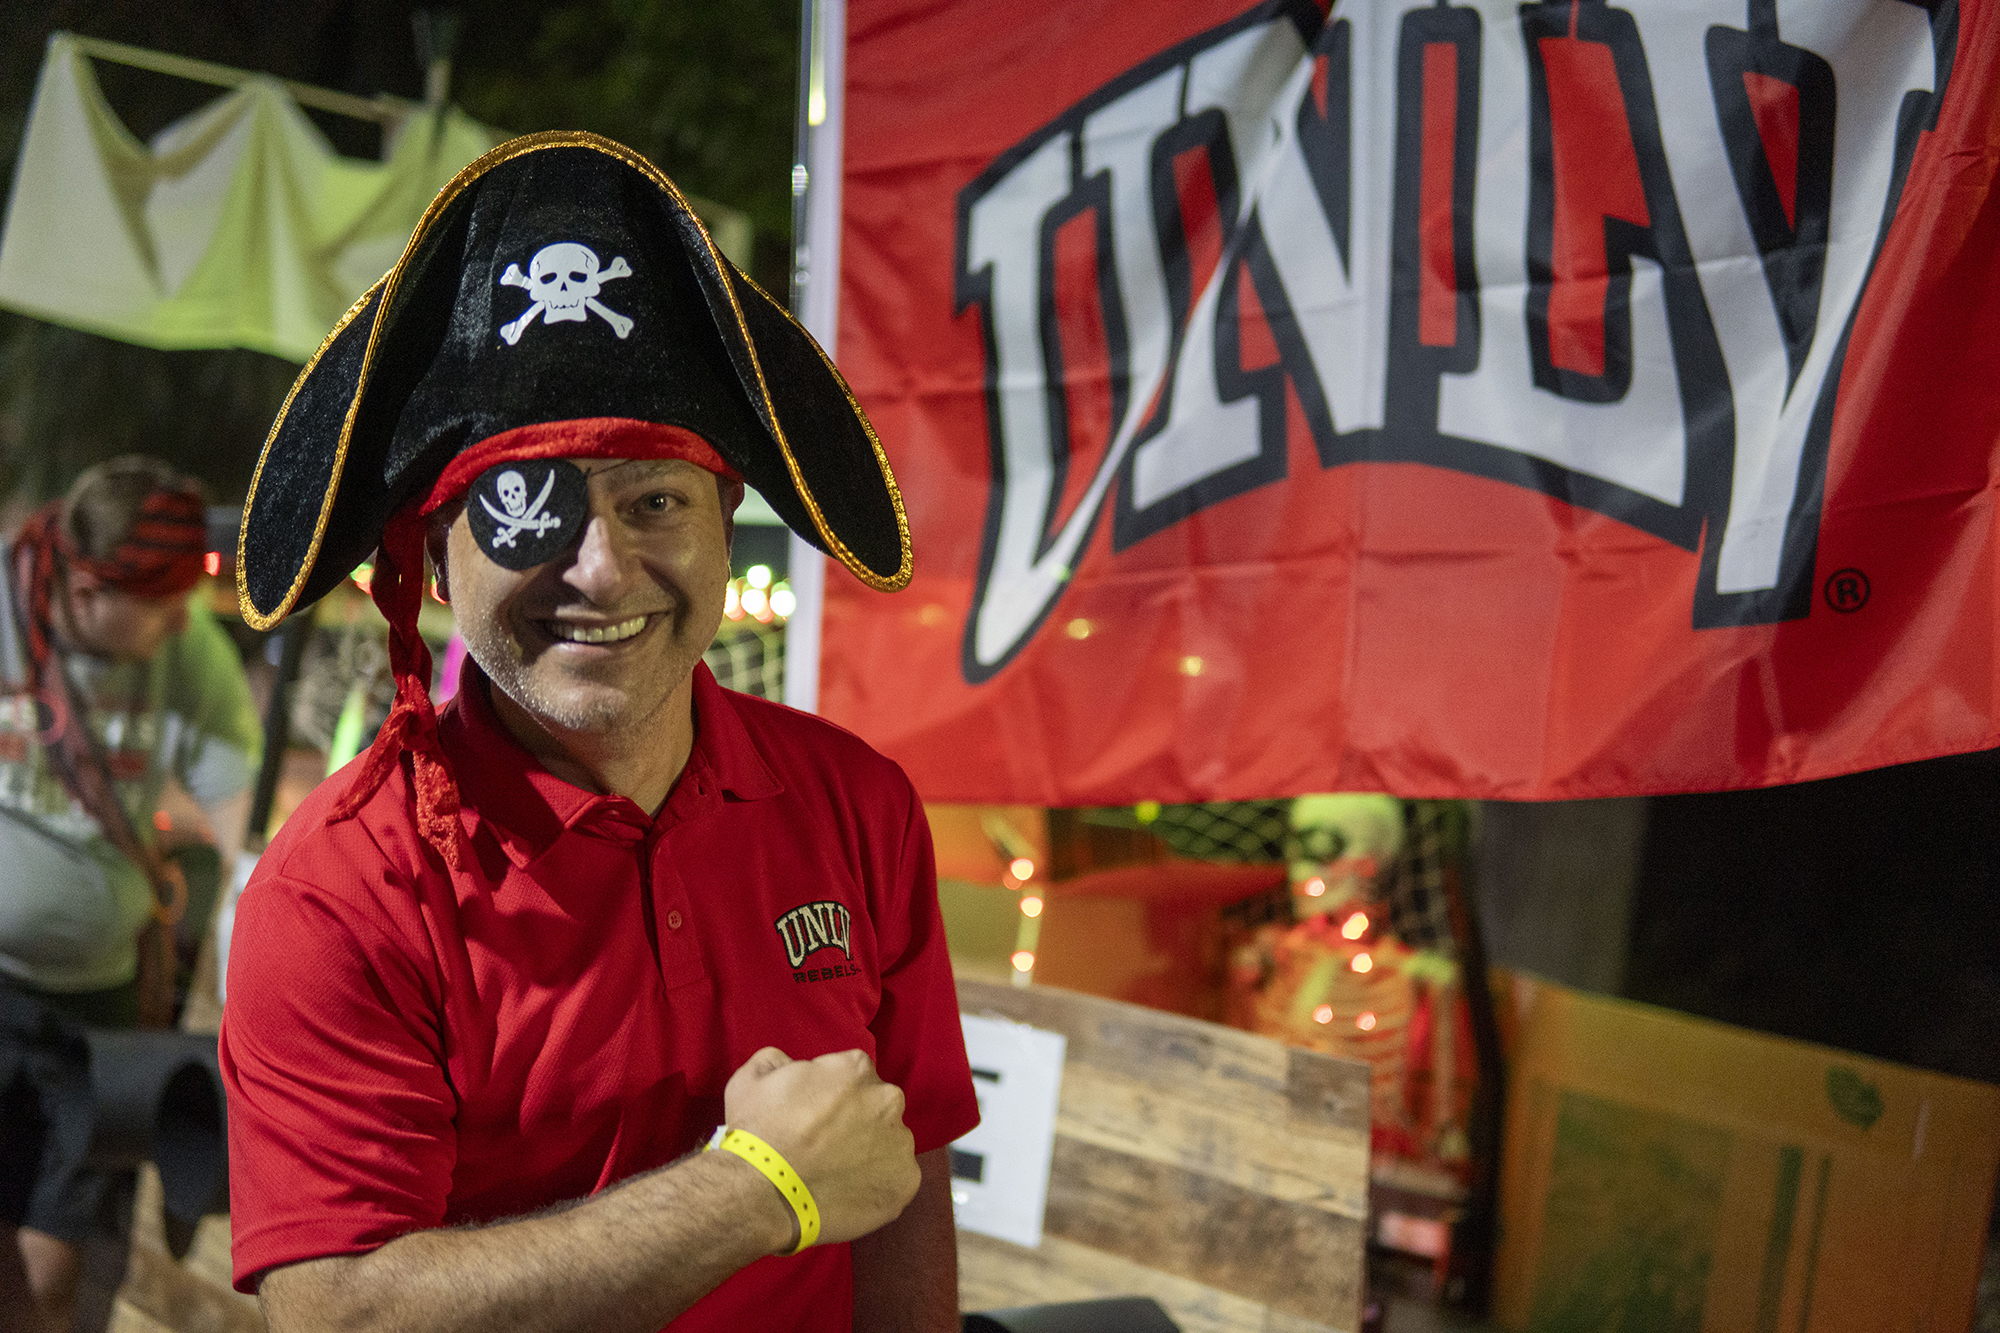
[591, 717]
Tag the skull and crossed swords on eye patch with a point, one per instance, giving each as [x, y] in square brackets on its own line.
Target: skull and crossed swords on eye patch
[520, 516]
[565, 279]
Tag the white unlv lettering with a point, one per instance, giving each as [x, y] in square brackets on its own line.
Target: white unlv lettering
[1256, 75]
[808, 929]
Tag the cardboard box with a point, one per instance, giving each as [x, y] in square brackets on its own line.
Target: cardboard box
[1666, 1173]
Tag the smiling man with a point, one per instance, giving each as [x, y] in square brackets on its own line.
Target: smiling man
[495, 985]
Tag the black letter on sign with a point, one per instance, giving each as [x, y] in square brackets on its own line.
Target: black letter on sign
[1195, 206]
[1326, 133]
[1083, 344]
[1775, 105]
[1434, 302]
[1599, 193]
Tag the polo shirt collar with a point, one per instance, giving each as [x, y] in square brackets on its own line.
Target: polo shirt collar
[504, 786]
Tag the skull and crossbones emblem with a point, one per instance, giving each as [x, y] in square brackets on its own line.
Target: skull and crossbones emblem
[565, 279]
[520, 516]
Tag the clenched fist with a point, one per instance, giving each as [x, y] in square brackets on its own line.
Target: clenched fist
[840, 1127]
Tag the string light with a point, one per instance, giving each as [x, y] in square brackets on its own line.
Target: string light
[1031, 906]
[1323, 1014]
[211, 564]
[1366, 1022]
[1079, 628]
[1355, 926]
[765, 602]
[1362, 963]
[1024, 961]
[1314, 887]
[1021, 868]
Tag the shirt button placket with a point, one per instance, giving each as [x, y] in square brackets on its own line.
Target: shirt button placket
[680, 958]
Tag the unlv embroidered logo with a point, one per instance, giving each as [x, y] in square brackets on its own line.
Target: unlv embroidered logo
[810, 928]
[1599, 252]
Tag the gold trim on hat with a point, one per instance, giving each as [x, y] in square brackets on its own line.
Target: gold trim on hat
[495, 157]
[252, 617]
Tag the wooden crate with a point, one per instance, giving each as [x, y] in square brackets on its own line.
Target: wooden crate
[1221, 1173]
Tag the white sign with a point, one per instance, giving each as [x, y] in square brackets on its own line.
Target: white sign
[1000, 1171]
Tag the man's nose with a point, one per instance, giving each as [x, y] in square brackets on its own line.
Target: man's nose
[602, 566]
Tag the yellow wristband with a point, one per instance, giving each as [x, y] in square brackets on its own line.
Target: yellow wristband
[776, 1170]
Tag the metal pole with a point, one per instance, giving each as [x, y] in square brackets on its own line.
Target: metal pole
[815, 288]
[292, 638]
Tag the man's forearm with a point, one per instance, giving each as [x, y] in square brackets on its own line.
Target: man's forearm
[631, 1258]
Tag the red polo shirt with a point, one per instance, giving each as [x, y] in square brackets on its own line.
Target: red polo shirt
[407, 1047]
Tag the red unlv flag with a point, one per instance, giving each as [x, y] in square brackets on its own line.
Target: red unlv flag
[1503, 400]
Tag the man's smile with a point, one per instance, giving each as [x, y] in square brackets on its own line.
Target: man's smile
[569, 631]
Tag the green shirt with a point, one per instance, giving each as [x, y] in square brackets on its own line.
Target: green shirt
[71, 904]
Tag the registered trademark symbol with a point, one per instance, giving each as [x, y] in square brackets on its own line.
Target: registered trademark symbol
[1846, 590]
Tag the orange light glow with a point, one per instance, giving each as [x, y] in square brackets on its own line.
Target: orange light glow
[1314, 887]
[1024, 961]
[364, 577]
[1366, 1022]
[1362, 963]
[732, 603]
[211, 564]
[1031, 906]
[1355, 926]
[1323, 1014]
[1021, 868]
[163, 821]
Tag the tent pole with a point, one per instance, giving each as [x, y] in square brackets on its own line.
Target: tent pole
[382, 109]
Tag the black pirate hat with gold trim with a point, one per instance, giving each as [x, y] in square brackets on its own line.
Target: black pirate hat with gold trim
[558, 299]
[561, 277]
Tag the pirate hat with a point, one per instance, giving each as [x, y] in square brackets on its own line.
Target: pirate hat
[558, 299]
[562, 280]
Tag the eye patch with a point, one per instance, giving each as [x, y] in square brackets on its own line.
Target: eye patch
[528, 511]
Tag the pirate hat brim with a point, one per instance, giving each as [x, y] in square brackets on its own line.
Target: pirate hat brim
[416, 372]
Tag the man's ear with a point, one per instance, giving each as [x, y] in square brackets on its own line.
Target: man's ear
[732, 496]
[437, 545]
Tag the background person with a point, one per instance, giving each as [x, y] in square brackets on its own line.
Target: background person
[116, 683]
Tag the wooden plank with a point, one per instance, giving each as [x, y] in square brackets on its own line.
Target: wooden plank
[1189, 1158]
[994, 1275]
[1237, 1072]
[1286, 1256]
[1328, 1171]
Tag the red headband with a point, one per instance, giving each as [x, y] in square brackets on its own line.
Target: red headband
[586, 437]
[161, 556]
